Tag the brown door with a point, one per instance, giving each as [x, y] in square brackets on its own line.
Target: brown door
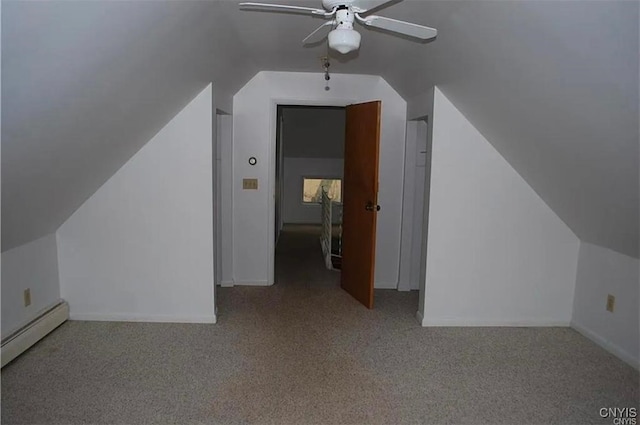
[360, 200]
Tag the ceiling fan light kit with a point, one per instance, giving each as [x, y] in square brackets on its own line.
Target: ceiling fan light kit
[344, 40]
[342, 37]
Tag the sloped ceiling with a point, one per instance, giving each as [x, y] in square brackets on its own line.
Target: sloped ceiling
[553, 85]
[86, 83]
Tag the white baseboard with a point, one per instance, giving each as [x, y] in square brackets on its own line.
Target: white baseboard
[608, 345]
[226, 284]
[252, 283]
[420, 318]
[24, 337]
[385, 285]
[126, 317]
[465, 322]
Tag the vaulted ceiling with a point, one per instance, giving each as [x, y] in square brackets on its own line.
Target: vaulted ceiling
[553, 85]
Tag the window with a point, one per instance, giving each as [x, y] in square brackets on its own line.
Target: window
[312, 190]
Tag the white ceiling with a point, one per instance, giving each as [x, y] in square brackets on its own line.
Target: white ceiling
[553, 85]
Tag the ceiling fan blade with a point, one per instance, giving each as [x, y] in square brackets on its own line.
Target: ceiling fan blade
[284, 8]
[400, 27]
[363, 6]
[310, 39]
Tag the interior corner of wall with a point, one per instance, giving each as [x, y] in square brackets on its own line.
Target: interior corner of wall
[222, 99]
[575, 272]
[420, 105]
[56, 244]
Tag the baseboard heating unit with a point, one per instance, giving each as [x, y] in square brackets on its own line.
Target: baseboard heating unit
[23, 338]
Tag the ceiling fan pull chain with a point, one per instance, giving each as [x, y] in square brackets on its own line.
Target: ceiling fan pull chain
[326, 64]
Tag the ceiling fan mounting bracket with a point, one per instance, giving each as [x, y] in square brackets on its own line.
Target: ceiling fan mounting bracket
[339, 4]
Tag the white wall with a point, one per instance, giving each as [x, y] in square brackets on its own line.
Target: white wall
[294, 210]
[33, 265]
[602, 271]
[496, 253]
[141, 248]
[254, 111]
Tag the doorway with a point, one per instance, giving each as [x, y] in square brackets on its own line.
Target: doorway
[254, 136]
[309, 171]
[415, 210]
[317, 149]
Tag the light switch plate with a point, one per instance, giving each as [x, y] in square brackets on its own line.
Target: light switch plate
[250, 184]
[611, 303]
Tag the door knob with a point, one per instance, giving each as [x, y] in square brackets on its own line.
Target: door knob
[371, 207]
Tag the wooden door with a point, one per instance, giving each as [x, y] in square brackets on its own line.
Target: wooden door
[360, 200]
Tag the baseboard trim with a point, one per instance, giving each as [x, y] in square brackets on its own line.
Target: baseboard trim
[251, 283]
[385, 285]
[226, 284]
[124, 317]
[24, 337]
[420, 318]
[607, 345]
[464, 322]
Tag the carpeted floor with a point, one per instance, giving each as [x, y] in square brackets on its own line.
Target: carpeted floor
[304, 352]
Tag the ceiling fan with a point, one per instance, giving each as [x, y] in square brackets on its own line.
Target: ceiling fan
[342, 15]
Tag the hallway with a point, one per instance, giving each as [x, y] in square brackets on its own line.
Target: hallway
[299, 258]
[306, 291]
